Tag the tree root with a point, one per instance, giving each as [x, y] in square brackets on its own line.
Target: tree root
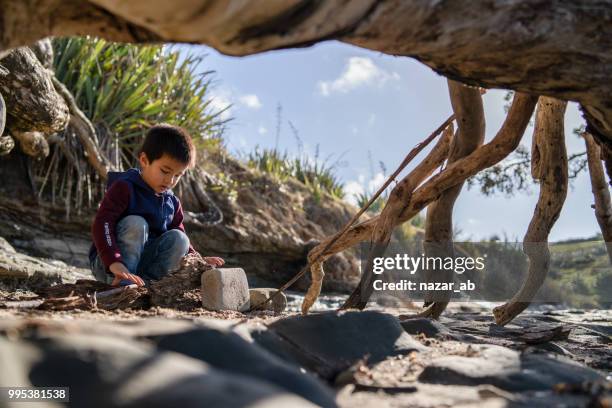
[603, 205]
[549, 165]
[469, 111]
[405, 204]
[85, 131]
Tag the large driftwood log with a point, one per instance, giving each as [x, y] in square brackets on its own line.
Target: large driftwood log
[469, 111]
[558, 48]
[504, 143]
[32, 103]
[601, 193]
[549, 166]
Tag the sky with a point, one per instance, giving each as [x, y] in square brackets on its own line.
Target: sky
[361, 108]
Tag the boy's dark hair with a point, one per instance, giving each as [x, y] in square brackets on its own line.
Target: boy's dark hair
[169, 139]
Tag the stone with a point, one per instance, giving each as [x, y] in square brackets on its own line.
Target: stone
[330, 342]
[21, 270]
[506, 369]
[225, 289]
[258, 295]
[228, 351]
[103, 371]
[429, 327]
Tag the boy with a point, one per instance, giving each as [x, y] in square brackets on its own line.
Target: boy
[138, 232]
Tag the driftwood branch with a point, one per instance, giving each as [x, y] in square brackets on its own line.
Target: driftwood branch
[409, 157]
[601, 193]
[549, 164]
[469, 111]
[363, 231]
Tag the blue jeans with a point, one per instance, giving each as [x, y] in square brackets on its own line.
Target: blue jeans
[149, 258]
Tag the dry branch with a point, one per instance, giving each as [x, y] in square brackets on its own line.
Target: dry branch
[550, 166]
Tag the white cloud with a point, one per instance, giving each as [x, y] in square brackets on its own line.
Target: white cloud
[262, 130]
[378, 180]
[221, 99]
[358, 71]
[351, 190]
[250, 101]
[355, 187]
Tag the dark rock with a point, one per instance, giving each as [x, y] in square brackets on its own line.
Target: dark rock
[429, 327]
[506, 369]
[330, 342]
[230, 352]
[115, 372]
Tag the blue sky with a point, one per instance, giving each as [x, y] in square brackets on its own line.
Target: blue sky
[359, 103]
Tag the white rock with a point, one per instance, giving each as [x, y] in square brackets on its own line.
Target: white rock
[225, 289]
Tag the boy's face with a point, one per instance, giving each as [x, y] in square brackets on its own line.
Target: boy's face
[161, 174]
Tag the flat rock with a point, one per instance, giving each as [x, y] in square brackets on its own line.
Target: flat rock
[506, 369]
[330, 342]
[21, 270]
[259, 295]
[225, 289]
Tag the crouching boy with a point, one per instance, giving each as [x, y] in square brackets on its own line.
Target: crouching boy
[138, 233]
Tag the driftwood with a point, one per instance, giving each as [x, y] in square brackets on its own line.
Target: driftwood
[43, 50]
[504, 143]
[32, 103]
[170, 290]
[554, 48]
[82, 295]
[469, 111]
[33, 144]
[352, 235]
[603, 205]
[549, 166]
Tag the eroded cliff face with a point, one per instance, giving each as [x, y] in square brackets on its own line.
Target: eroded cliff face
[267, 226]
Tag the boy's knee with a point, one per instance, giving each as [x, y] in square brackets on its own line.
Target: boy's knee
[180, 240]
[133, 227]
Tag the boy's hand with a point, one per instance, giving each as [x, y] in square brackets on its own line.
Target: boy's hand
[122, 273]
[214, 260]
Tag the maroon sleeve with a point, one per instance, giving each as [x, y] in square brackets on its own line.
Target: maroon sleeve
[177, 222]
[113, 204]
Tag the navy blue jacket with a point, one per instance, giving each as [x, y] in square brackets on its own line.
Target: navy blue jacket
[128, 194]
